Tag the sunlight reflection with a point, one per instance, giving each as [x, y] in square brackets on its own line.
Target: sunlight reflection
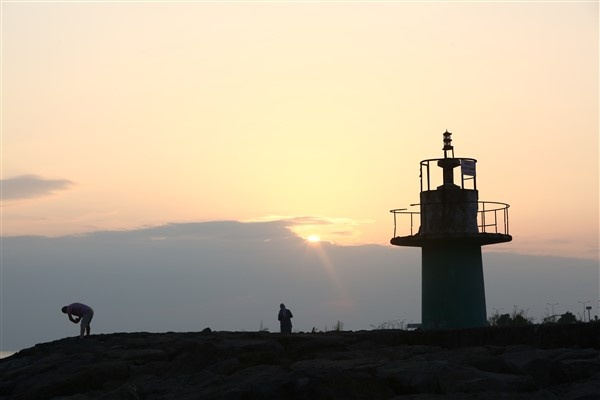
[341, 297]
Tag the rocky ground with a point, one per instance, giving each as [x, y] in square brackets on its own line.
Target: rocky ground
[535, 362]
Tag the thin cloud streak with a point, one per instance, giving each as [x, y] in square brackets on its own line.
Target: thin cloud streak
[32, 186]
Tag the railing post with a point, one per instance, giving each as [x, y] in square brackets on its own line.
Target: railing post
[496, 221]
[483, 217]
[421, 175]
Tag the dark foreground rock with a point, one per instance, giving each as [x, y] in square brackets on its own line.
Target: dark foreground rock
[560, 362]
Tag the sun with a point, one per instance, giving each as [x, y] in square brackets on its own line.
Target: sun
[313, 238]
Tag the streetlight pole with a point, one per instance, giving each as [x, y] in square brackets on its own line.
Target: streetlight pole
[552, 307]
[583, 315]
[589, 309]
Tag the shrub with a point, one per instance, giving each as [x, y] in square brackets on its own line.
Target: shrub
[567, 318]
[391, 324]
[518, 317]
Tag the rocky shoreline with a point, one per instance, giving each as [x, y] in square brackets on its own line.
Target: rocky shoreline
[530, 362]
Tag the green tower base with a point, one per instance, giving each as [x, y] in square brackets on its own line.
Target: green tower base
[453, 293]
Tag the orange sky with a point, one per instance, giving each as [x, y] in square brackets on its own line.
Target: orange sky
[135, 114]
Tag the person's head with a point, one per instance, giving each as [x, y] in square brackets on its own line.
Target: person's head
[64, 309]
[282, 306]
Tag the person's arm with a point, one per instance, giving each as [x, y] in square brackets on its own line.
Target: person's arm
[74, 320]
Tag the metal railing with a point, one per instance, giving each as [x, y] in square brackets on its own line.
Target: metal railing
[426, 178]
[492, 217]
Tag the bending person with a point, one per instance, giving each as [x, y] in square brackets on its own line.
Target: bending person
[82, 313]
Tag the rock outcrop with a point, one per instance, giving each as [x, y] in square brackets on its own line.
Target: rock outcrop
[534, 362]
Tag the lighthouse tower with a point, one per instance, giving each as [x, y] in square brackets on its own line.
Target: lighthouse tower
[454, 225]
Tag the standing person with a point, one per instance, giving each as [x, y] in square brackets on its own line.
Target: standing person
[285, 319]
[82, 313]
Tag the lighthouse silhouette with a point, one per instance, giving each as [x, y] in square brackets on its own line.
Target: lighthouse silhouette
[454, 224]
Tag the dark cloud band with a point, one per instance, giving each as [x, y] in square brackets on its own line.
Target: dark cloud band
[31, 186]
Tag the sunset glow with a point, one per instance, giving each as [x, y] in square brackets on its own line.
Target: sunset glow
[318, 111]
[313, 238]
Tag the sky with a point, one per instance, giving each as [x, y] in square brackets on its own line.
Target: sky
[313, 116]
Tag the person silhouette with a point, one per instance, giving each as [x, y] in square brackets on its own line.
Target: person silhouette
[285, 319]
[82, 313]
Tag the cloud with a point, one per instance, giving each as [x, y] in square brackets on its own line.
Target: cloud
[31, 186]
[224, 274]
[230, 275]
[338, 230]
[203, 232]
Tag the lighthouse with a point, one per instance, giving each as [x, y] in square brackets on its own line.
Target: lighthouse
[450, 225]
